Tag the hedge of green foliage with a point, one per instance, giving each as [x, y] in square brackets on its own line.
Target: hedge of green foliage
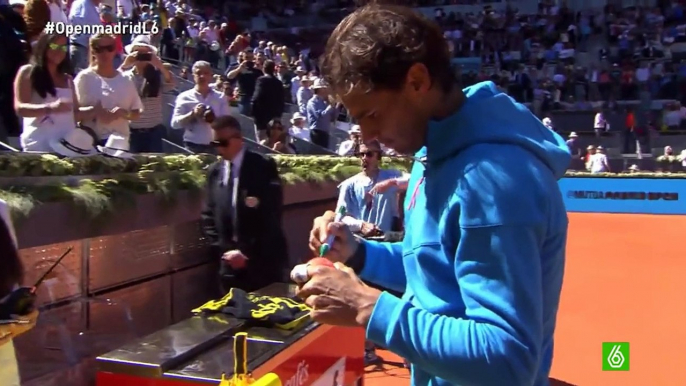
[119, 179]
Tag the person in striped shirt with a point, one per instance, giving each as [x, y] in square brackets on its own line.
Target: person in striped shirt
[144, 67]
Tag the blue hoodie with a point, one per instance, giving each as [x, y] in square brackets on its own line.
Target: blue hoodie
[484, 250]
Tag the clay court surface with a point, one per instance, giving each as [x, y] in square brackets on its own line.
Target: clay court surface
[624, 283]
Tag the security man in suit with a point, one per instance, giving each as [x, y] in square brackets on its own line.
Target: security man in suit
[242, 212]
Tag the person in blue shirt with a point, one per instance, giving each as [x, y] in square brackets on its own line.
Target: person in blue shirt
[369, 213]
[482, 260]
[321, 114]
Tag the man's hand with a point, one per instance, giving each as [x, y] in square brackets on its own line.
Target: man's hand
[344, 244]
[383, 186]
[369, 229]
[235, 258]
[338, 297]
[199, 111]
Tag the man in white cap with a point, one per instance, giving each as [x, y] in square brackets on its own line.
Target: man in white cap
[348, 147]
[299, 128]
[576, 151]
[295, 82]
[321, 114]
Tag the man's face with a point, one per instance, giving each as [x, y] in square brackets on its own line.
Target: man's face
[248, 57]
[228, 142]
[202, 76]
[389, 117]
[397, 118]
[369, 156]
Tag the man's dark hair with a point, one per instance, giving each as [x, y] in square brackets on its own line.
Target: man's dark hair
[269, 67]
[226, 122]
[375, 46]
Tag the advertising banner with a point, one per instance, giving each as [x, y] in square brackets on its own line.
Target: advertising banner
[624, 195]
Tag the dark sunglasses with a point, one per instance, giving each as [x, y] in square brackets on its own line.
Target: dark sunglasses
[58, 47]
[107, 48]
[222, 142]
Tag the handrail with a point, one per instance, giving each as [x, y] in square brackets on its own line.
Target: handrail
[8, 147]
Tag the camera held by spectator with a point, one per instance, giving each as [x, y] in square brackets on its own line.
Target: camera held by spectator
[208, 115]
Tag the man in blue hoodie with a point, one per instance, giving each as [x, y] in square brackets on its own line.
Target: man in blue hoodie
[482, 261]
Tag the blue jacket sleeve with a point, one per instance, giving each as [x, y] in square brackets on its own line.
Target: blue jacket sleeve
[383, 265]
[500, 337]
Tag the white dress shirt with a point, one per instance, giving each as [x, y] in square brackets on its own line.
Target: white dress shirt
[198, 131]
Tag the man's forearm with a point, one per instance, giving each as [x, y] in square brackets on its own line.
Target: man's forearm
[380, 263]
[179, 122]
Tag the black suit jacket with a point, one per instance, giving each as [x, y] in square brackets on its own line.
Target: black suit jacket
[268, 100]
[259, 210]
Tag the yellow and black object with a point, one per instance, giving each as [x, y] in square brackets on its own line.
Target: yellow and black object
[241, 376]
[271, 311]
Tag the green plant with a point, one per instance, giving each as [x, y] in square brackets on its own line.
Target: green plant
[108, 182]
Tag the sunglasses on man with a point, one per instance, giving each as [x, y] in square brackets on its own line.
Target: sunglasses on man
[107, 48]
[223, 142]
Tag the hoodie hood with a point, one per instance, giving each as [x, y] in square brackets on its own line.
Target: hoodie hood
[491, 116]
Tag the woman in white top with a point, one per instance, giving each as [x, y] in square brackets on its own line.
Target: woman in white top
[44, 96]
[103, 87]
[145, 69]
[11, 274]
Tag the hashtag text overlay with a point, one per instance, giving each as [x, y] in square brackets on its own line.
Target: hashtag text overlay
[92, 29]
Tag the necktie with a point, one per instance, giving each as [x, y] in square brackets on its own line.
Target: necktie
[231, 187]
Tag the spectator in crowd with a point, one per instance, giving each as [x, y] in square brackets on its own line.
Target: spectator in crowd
[295, 84]
[598, 162]
[321, 114]
[104, 88]
[254, 254]
[351, 146]
[590, 151]
[576, 152]
[629, 134]
[246, 76]
[267, 100]
[58, 12]
[107, 18]
[672, 117]
[366, 213]
[37, 15]
[369, 214]
[277, 138]
[304, 93]
[548, 123]
[600, 125]
[145, 69]
[82, 13]
[44, 95]
[298, 127]
[170, 41]
[196, 109]
[14, 53]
